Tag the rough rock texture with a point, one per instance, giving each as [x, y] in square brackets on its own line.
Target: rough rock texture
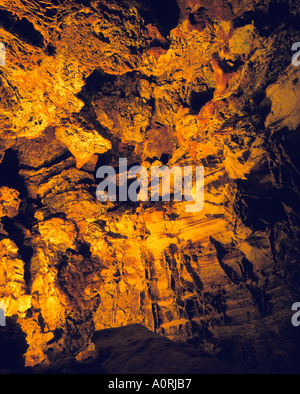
[200, 82]
[136, 350]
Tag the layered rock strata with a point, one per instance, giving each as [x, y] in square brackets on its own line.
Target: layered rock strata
[198, 83]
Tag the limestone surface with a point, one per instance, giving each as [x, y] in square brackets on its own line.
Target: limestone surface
[194, 83]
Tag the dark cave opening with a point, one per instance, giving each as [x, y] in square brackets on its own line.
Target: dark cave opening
[95, 81]
[165, 159]
[51, 50]
[9, 173]
[22, 28]
[199, 99]
[13, 346]
[167, 14]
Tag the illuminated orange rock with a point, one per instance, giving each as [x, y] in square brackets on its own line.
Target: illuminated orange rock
[9, 202]
[87, 84]
[82, 144]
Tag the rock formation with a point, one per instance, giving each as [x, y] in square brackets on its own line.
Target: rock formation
[193, 82]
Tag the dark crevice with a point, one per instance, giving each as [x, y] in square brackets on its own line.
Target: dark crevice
[247, 271]
[85, 251]
[199, 19]
[221, 253]
[57, 335]
[9, 173]
[261, 299]
[156, 318]
[97, 80]
[191, 308]
[102, 37]
[199, 99]
[49, 163]
[263, 105]
[21, 28]
[197, 280]
[18, 226]
[16, 232]
[167, 14]
[41, 322]
[230, 67]
[198, 16]
[165, 159]
[218, 302]
[51, 50]
[261, 198]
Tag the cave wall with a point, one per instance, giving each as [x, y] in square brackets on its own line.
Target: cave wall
[206, 83]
